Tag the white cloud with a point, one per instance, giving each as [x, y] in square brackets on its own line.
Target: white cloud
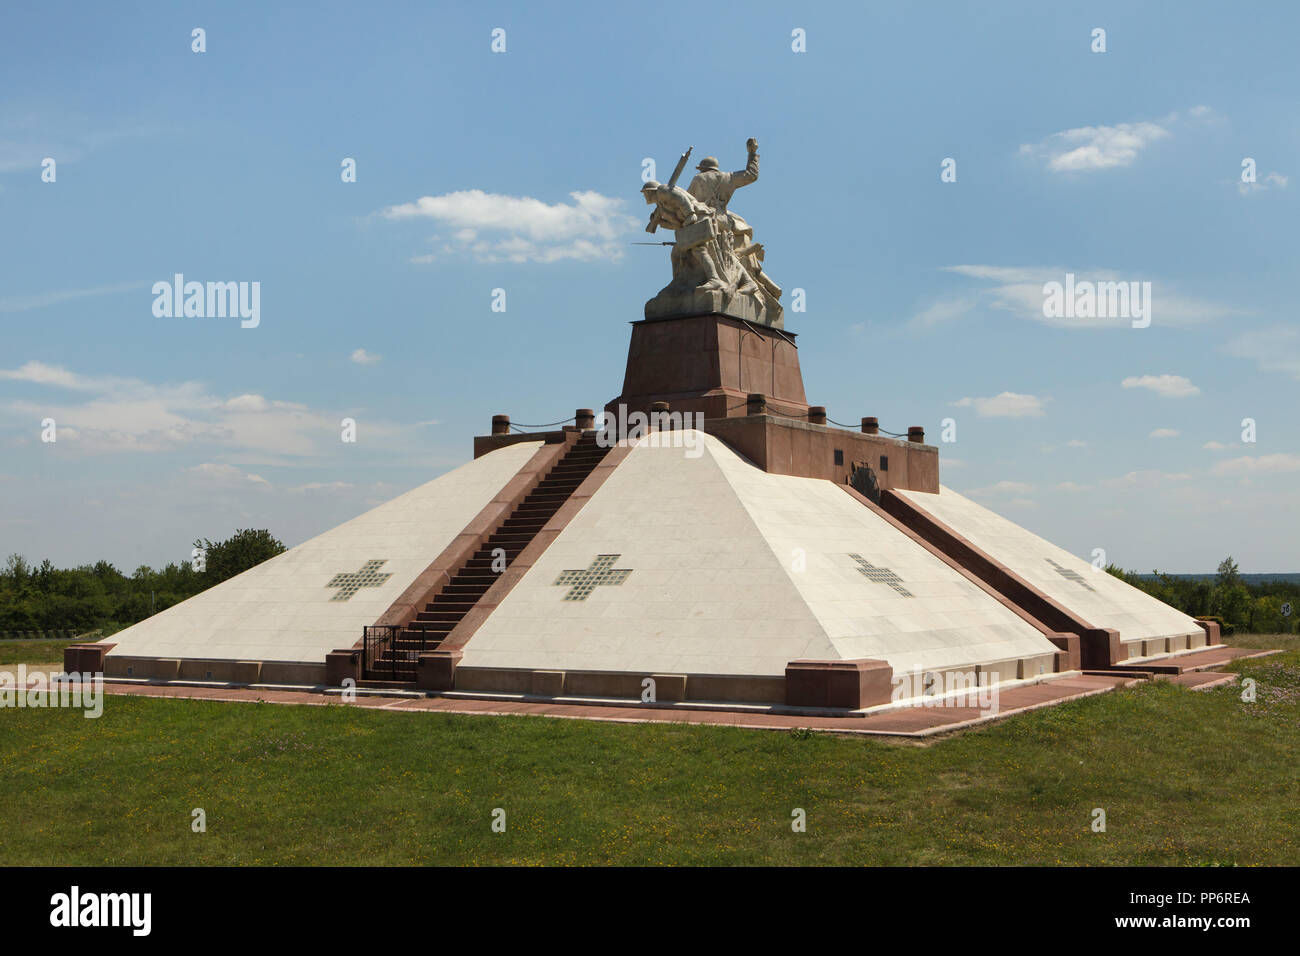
[324, 486]
[31, 136]
[944, 311]
[1271, 181]
[216, 475]
[107, 414]
[362, 357]
[1005, 274]
[1275, 349]
[40, 300]
[1072, 486]
[1005, 405]
[1002, 488]
[1215, 446]
[38, 373]
[1144, 479]
[1247, 466]
[247, 403]
[521, 228]
[1170, 386]
[1019, 290]
[1164, 433]
[1047, 448]
[1088, 148]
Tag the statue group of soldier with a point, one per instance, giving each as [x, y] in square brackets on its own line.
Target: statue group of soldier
[713, 251]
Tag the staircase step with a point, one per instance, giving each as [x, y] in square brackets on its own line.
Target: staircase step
[479, 584]
[485, 562]
[462, 591]
[529, 508]
[435, 627]
[528, 526]
[559, 486]
[416, 646]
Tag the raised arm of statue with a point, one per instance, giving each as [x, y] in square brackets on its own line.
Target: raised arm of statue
[744, 177]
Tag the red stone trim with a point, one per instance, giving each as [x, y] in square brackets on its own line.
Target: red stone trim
[341, 665]
[622, 686]
[85, 658]
[1068, 655]
[787, 446]
[475, 534]
[845, 684]
[1099, 646]
[486, 443]
[1211, 629]
[438, 673]
[436, 670]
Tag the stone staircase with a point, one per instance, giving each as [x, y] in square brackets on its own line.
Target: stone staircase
[395, 661]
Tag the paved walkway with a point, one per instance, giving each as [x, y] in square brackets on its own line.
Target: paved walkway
[910, 721]
[1211, 657]
[914, 721]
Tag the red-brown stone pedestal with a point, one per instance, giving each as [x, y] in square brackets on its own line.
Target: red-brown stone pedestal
[343, 664]
[85, 658]
[710, 364]
[846, 685]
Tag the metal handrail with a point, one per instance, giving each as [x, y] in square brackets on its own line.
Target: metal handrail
[381, 657]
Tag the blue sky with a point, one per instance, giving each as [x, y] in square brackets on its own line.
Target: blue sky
[923, 297]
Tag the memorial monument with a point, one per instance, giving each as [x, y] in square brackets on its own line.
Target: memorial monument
[783, 562]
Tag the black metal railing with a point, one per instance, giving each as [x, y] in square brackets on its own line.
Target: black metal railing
[392, 651]
[376, 641]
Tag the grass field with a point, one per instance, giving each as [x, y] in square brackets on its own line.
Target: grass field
[43, 653]
[1184, 777]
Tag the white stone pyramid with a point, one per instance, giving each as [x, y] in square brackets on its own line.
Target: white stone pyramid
[1094, 595]
[284, 610]
[737, 571]
[686, 562]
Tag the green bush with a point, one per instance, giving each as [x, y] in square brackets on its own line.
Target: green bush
[99, 596]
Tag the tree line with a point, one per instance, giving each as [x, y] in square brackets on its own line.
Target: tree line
[100, 597]
[1237, 605]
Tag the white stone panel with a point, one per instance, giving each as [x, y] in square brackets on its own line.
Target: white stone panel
[943, 621]
[710, 542]
[706, 594]
[282, 610]
[1101, 599]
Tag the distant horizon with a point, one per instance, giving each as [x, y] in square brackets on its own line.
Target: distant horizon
[1212, 574]
[35, 562]
[429, 221]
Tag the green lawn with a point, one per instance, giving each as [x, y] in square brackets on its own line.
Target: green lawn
[1184, 777]
[32, 652]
